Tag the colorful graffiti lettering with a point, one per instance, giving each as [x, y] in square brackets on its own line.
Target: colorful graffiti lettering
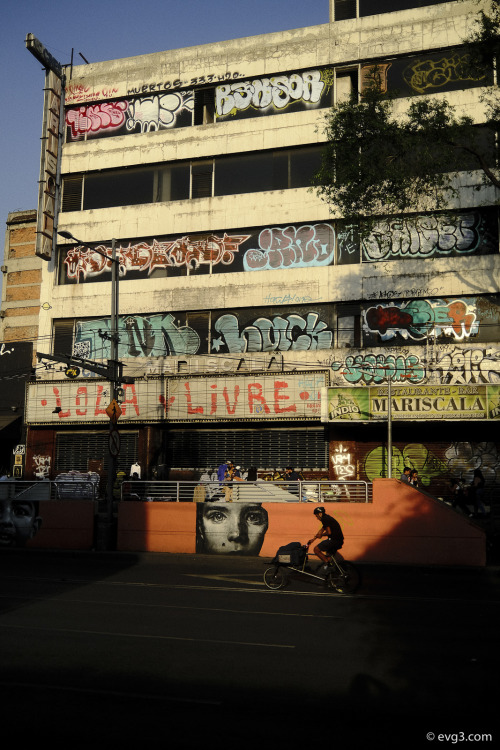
[427, 75]
[419, 319]
[187, 251]
[96, 117]
[292, 247]
[371, 368]
[266, 335]
[151, 336]
[422, 236]
[277, 92]
[143, 115]
[415, 455]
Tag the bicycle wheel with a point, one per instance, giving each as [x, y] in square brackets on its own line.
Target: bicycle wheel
[346, 582]
[275, 578]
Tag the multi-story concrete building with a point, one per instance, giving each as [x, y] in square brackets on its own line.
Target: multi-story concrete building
[241, 296]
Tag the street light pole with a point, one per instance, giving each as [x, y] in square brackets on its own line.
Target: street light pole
[104, 533]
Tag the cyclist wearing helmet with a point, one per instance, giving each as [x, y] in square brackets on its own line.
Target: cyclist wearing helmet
[335, 538]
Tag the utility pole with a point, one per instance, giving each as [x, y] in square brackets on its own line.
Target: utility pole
[113, 373]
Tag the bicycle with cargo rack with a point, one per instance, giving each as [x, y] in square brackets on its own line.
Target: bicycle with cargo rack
[339, 575]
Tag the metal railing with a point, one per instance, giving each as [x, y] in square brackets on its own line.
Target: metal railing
[43, 489]
[323, 491]
[261, 491]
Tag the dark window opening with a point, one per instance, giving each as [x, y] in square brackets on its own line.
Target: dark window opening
[204, 106]
[201, 179]
[344, 9]
[374, 7]
[63, 337]
[124, 188]
[72, 193]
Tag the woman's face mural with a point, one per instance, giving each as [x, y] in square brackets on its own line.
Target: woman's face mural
[230, 528]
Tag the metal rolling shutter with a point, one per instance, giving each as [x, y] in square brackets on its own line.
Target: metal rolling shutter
[261, 448]
[75, 449]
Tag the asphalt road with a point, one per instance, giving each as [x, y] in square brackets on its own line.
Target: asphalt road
[195, 651]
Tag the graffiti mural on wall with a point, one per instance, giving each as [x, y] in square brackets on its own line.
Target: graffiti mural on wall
[293, 332]
[465, 366]
[185, 252]
[301, 246]
[140, 336]
[292, 247]
[464, 458]
[415, 455]
[424, 236]
[421, 319]
[273, 94]
[378, 368]
[421, 236]
[160, 335]
[138, 115]
[431, 72]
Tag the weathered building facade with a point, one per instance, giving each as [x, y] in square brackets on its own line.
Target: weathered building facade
[19, 312]
[241, 297]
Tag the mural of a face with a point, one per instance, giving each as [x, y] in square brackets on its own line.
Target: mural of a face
[19, 522]
[231, 528]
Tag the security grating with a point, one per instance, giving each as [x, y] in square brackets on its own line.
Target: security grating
[263, 449]
[74, 450]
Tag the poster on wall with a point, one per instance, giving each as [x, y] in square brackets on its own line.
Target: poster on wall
[426, 402]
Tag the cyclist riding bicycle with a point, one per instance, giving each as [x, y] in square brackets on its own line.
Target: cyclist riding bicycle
[335, 538]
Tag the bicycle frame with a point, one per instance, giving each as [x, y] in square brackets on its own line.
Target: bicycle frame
[340, 575]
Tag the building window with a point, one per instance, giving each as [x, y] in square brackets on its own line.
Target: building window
[344, 9]
[72, 193]
[204, 106]
[226, 175]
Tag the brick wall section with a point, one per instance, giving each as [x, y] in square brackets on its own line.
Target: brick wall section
[22, 242]
[22, 280]
[33, 276]
[20, 333]
[16, 312]
[18, 293]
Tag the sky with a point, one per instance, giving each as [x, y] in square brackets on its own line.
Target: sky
[107, 30]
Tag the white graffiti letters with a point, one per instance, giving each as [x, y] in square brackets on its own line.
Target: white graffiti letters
[470, 366]
[262, 93]
[421, 236]
[292, 247]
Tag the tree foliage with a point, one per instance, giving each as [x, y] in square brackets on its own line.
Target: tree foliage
[378, 161]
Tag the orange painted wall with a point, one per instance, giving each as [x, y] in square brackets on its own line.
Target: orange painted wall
[402, 525]
[65, 525]
[157, 527]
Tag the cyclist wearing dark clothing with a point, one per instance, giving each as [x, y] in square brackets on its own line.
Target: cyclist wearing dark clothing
[331, 529]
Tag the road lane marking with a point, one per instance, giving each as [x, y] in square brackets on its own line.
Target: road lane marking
[114, 634]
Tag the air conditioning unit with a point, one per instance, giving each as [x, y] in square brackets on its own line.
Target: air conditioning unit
[3, 269]
[2, 313]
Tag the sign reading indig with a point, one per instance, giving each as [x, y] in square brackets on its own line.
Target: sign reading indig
[429, 402]
[215, 398]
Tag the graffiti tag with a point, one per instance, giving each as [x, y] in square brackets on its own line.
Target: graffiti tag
[279, 334]
[292, 247]
[261, 93]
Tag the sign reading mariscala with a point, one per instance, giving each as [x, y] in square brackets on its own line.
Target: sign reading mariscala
[429, 402]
